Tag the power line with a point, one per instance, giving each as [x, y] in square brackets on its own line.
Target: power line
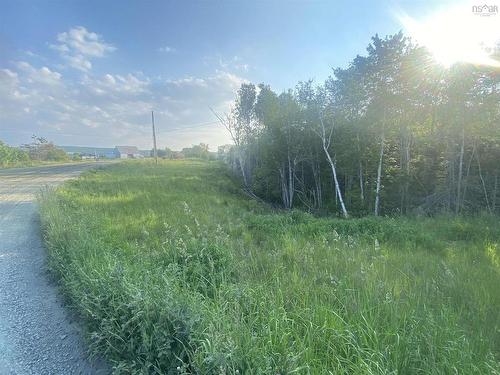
[180, 127]
[191, 127]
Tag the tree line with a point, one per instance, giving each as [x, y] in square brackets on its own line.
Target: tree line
[200, 151]
[39, 150]
[393, 133]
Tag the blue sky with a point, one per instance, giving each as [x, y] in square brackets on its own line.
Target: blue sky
[89, 72]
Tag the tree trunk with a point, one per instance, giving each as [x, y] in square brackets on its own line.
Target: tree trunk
[401, 168]
[291, 181]
[284, 189]
[405, 145]
[495, 190]
[361, 183]
[407, 172]
[466, 180]
[484, 185]
[242, 169]
[317, 184]
[451, 177]
[460, 173]
[326, 144]
[337, 187]
[379, 174]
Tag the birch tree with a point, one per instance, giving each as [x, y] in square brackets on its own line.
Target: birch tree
[393, 133]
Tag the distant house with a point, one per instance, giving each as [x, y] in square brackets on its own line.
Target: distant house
[101, 152]
[128, 152]
[88, 156]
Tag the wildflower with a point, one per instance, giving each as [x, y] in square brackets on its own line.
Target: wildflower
[187, 210]
[351, 241]
[333, 280]
[362, 269]
[448, 272]
[388, 297]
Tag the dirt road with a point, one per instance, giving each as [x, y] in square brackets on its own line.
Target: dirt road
[37, 335]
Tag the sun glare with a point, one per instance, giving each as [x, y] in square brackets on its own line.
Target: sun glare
[456, 35]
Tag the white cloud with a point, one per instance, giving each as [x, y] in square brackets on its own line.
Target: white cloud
[78, 62]
[234, 63]
[114, 109]
[191, 98]
[167, 49]
[110, 109]
[8, 79]
[9, 89]
[116, 85]
[43, 75]
[188, 81]
[84, 42]
[78, 45]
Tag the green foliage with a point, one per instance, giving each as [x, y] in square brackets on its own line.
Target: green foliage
[198, 152]
[405, 135]
[175, 271]
[42, 150]
[12, 156]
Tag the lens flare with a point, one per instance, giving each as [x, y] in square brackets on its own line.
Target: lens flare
[457, 34]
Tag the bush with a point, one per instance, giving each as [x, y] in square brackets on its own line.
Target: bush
[12, 156]
[42, 150]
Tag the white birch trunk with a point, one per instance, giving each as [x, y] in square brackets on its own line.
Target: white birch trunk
[291, 182]
[242, 169]
[495, 190]
[460, 173]
[337, 187]
[326, 144]
[484, 185]
[379, 174]
[361, 183]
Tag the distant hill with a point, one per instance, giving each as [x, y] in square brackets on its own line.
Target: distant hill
[108, 152]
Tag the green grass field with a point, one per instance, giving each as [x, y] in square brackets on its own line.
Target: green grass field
[174, 271]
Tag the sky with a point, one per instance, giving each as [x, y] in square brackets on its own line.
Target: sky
[88, 73]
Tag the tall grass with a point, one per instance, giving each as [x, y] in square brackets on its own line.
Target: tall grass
[175, 272]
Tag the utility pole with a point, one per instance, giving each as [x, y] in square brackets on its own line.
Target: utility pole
[155, 152]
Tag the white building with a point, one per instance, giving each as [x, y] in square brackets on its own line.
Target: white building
[128, 152]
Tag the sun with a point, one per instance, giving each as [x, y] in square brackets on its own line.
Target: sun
[456, 35]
